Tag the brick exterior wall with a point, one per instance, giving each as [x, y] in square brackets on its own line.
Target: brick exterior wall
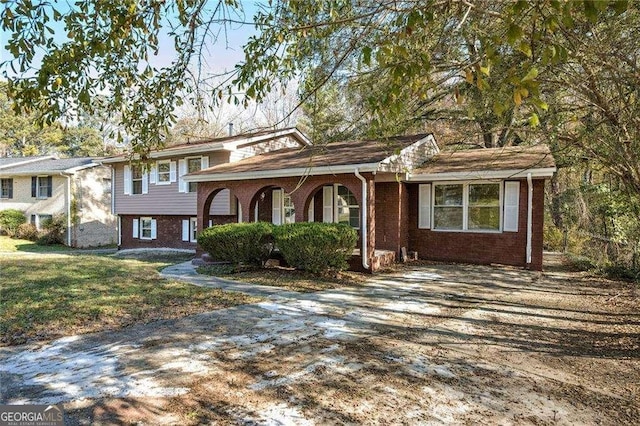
[392, 203]
[169, 232]
[507, 248]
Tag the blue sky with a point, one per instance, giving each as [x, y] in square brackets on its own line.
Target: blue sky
[221, 56]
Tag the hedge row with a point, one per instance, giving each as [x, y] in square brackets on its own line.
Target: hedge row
[315, 247]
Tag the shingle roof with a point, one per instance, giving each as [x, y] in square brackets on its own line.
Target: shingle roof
[491, 159]
[48, 165]
[333, 154]
[11, 161]
[209, 144]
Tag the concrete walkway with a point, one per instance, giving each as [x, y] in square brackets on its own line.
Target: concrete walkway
[436, 344]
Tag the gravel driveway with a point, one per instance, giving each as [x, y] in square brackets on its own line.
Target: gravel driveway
[430, 344]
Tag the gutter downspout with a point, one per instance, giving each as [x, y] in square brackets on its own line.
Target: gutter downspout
[363, 227]
[68, 207]
[529, 217]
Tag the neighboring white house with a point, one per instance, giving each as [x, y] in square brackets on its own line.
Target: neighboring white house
[77, 188]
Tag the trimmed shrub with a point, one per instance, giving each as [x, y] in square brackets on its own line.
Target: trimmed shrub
[53, 231]
[247, 243]
[27, 231]
[10, 220]
[316, 247]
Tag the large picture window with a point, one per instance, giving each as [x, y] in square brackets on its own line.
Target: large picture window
[466, 206]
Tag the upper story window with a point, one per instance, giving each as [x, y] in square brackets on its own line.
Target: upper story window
[193, 165]
[6, 188]
[136, 179]
[41, 186]
[164, 172]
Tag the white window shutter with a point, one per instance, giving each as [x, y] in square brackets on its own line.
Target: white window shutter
[172, 171]
[185, 229]
[276, 201]
[145, 183]
[136, 232]
[204, 162]
[153, 174]
[311, 211]
[154, 229]
[327, 204]
[511, 206]
[424, 206]
[182, 170]
[127, 180]
[210, 223]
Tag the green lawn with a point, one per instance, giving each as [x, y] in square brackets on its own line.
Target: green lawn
[16, 245]
[43, 297]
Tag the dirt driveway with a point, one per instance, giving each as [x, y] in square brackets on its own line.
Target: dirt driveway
[431, 344]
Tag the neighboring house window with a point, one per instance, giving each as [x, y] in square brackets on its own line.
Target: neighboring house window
[41, 186]
[106, 185]
[136, 180]
[465, 207]
[340, 206]
[193, 165]
[6, 188]
[40, 220]
[145, 228]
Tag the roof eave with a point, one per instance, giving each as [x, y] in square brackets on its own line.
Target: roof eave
[293, 172]
[546, 172]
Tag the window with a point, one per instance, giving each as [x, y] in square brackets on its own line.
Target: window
[448, 207]
[193, 165]
[190, 229]
[41, 186]
[283, 209]
[484, 207]
[347, 209]
[465, 206]
[146, 225]
[288, 209]
[136, 180]
[340, 206]
[164, 172]
[6, 188]
[40, 220]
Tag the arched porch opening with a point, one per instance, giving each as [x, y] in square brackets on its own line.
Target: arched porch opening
[272, 204]
[334, 202]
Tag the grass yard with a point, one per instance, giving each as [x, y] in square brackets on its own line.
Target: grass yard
[290, 279]
[17, 245]
[44, 297]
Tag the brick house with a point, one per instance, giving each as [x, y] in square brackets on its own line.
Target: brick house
[46, 186]
[402, 194]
